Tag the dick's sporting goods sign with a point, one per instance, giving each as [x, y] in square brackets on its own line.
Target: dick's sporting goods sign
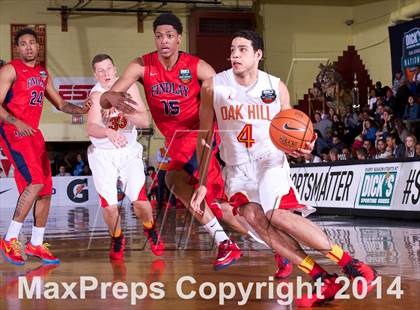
[384, 186]
[378, 186]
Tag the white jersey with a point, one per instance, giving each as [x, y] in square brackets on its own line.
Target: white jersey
[115, 120]
[244, 115]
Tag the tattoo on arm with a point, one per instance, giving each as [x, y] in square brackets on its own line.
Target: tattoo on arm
[71, 109]
[10, 119]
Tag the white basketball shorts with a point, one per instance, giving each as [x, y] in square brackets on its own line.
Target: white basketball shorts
[110, 166]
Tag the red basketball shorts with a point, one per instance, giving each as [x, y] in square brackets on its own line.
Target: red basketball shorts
[29, 158]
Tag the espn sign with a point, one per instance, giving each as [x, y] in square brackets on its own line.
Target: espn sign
[74, 89]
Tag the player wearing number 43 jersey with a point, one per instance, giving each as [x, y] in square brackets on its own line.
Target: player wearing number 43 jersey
[244, 100]
[116, 156]
[171, 82]
[23, 86]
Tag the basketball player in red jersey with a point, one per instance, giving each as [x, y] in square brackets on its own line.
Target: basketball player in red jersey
[23, 85]
[172, 85]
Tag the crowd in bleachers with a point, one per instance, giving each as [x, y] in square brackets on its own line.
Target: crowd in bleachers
[387, 127]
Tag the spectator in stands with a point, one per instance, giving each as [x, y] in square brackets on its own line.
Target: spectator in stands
[378, 89]
[412, 109]
[370, 149]
[86, 170]
[151, 178]
[336, 143]
[385, 124]
[344, 155]
[333, 154]
[379, 113]
[389, 151]
[398, 149]
[331, 112]
[312, 158]
[361, 153]
[325, 154]
[366, 116]
[369, 131]
[337, 126]
[415, 82]
[381, 150]
[400, 129]
[372, 100]
[351, 120]
[62, 172]
[399, 81]
[80, 164]
[417, 150]
[358, 143]
[410, 146]
[320, 143]
[323, 125]
[389, 99]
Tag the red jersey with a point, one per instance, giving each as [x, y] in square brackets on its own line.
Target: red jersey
[26, 96]
[173, 95]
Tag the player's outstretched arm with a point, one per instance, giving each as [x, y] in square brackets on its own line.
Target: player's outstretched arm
[117, 96]
[95, 126]
[7, 77]
[62, 105]
[205, 141]
[140, 118]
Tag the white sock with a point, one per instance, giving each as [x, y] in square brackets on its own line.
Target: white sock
[37, 235]
[216, 231]
[13, 231]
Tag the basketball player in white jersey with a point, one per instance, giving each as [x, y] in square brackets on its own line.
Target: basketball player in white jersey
[257, 181]
[115, 156]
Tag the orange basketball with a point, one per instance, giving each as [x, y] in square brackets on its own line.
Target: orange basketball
[290, 130]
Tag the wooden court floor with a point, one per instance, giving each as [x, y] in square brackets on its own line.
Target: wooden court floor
[144, 281]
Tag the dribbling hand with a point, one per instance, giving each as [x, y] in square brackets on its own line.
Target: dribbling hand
[307, 150]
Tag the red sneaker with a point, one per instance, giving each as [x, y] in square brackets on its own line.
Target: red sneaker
[11, 251]
[42, 252]
[328, 290]
[284, 267]
[156, 244]
[228, 254]
[356, 268]
[117, 248]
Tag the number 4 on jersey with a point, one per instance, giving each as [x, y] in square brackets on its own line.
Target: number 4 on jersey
[245, 136]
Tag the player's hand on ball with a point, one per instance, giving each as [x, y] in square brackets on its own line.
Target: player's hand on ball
[197, 198]
[116, 138]
[308, 148]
